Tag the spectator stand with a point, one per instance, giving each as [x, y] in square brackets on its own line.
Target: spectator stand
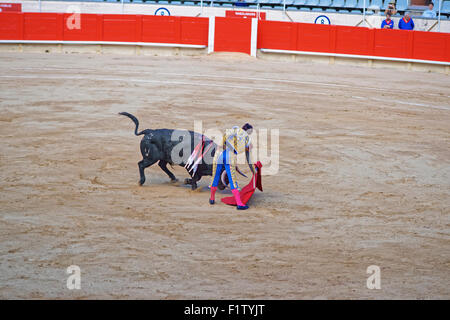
[442, 7]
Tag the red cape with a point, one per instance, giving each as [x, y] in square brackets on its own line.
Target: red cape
[247, 192]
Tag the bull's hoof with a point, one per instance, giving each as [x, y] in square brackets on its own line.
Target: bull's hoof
[141, 182]
[194, 186]
[187, 181]
[174, 180]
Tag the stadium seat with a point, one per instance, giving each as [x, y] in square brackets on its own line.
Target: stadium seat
[240, 4]
[377, 3]
[436, 5]
[446, 7]
[316, 10]
[312, 2]
[385, 4]
[361, 4]
[330, 10]
[351, 3]
[338, 3]
[324, 3]
[299, 2]
[402, 5]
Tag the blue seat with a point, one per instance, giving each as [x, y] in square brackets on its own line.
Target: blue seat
[385, 4]
[351, 3]
[402, 5]
[316, 10]
[324, 3]
[436, 5]
[446, 7]
[330, 10]
[304, 9]
[240, 4]
[361, 3]
[338, 3]
[312, 2]
[299, 2]
[378, 3]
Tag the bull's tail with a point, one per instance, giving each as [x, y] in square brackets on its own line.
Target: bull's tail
[136, 122]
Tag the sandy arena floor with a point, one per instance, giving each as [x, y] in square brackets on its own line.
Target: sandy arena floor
[364, 180]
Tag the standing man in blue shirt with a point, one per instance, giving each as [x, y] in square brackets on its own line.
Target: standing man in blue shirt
[387, 23]
[406, 23]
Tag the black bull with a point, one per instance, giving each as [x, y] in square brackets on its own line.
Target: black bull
[157, 145]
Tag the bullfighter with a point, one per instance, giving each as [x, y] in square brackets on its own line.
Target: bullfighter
[235, 141]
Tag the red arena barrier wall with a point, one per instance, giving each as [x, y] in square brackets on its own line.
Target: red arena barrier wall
[233, 34]
[10, 7]
[392, 44]
[194, 30]
[91, 28]
[277, 35]
[104, 27]
[431, 46]
[11, 26]
[420, 45]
